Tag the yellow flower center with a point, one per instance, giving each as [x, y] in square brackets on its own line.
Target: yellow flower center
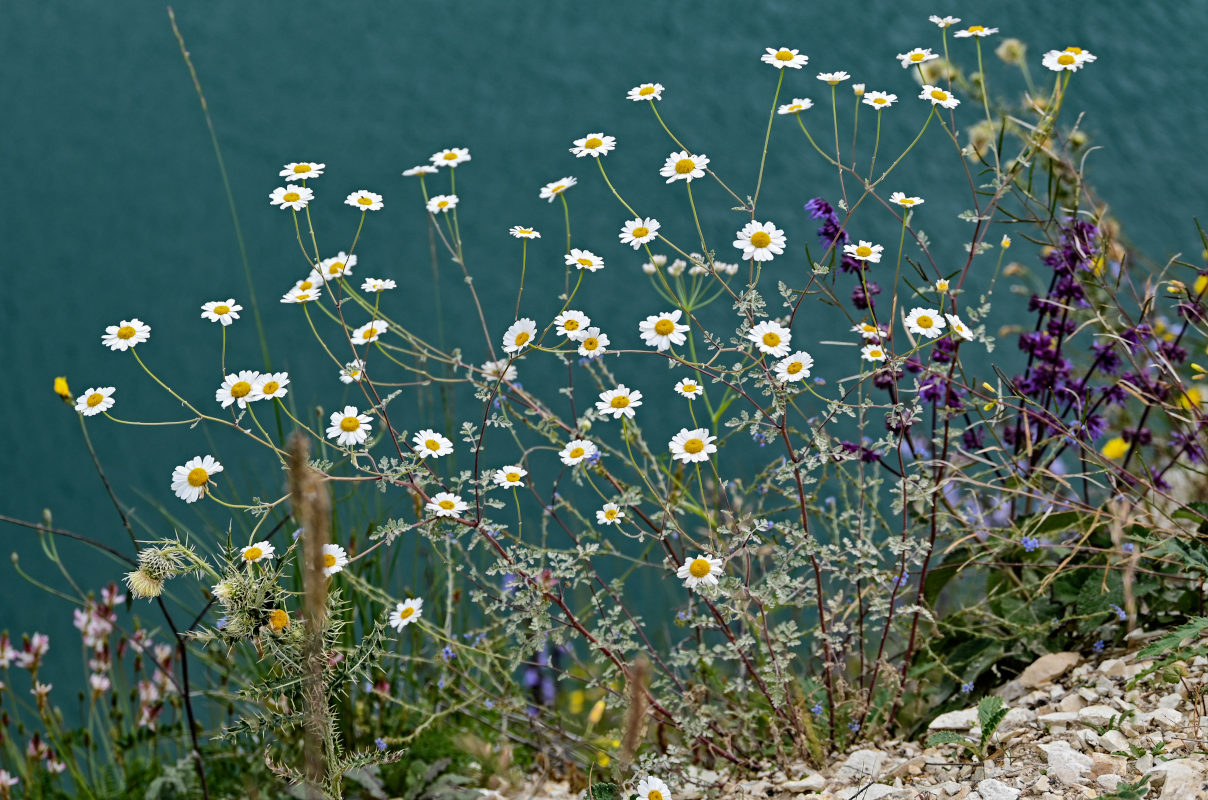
[442, 203]
[329, 560]
[278, 619]
[570, 325]
[694, 446]
[369, 333]
[939, 94]
[646, 90]
[863, 251]
[335, 268]
[879, 100]
[1066, 59]
[640, 231]
[976, 28]
[586, 262]
[95, 399]
[432, 444]
[699, 568]
[761, 239]
[875, 353]
[771, 339]
[557, 189]
[689, 387]
[406, 613]
[684, 166]
[126, 332]
[291, 197]
[794, 368]
[610, 514]
[655, 794]
[917, 56]
[271, 387]
[593, 143]
[591, 343]
[302, 296]
[350, 424]
[620, 401]
[449, 156]
[522, 337]
[924, 322]
[220, 310]
[906, 201]
[252, 554]
[447, 505]
[781, 55]
[302, 168]
[513, 477]
[198, 476]
[577, 452]
[664, 327]
[241, 389]
[1075, 50]
[365, 201]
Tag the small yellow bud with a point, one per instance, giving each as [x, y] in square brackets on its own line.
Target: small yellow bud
[1006, 242]
[1201, 283]
[596, 713]
[61, 389]
[1197, 368]
[576, 701]
[1115, 449]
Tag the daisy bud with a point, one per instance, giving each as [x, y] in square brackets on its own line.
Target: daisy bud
[144, 585]
[858, 88]
[1006, 242]
[1011, 51]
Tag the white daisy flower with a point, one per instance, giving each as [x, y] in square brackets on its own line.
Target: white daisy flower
[610, 514]
[521, 232]
[334, 559]
[495, 370]
[447, 504]
[938, 96]
[420, 169]
[871, 332]
[338, 266]
[646, 91]
[690, 445]
[784, 57]
[620, 402]
[272, 384]
[451, 157]
[218, 311]
[1059, 60]
[94, 401]
[260, 551]
[979, 31]
[584, 259]
[594, 145]
[864, 251]
[364, 200]
[312, 281]
[653, 789]
[636, 232]
[944, 22]
[798, 105]
[879, 99]
[378, 285]
[661, 331]
[906, 202]
[291, 197]
[872, 352]
[572, 324]
[833, 78]
[511, 475]
[959, 328]
[126, 334]
[689, 388]
[239, 387]
[577, 450]
[593, 343]
[406, 612]
[703, 569]
[683, 166]
[925, 322]
[1086, 55]
[795, 368]
[301, 295]
[369, 332]
[349, 426]
[919, 55]
[302, 170]
[442, 204]
[761, 241]
[352, 371]
[519, 335]
[941, 286]
[771, 338]
[430, 443]
[551, 190]
[189, 481]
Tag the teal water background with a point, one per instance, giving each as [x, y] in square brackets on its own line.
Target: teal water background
[114, 206]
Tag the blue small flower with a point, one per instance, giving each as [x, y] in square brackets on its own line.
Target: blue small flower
[1099, 645]
[440, 684]
[817, 709]
[1121, 614]
[966, 687]
[1029, 543]
[1129, 547]
[901, 580]
[682, 616]
[820, 381]
[447, 653]
[380, 742]
[221, 623]
[489, 704]
[853, 726]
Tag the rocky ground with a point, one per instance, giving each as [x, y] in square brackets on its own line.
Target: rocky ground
[1074, 731]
